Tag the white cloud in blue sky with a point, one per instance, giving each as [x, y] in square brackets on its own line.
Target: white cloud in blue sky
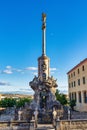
[53, 69]
[7, 71]
[11, 70]
[3, 83]
[31, 68]
[8, 67]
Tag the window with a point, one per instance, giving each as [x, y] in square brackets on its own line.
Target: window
[79, 94]
[74, 83]
[69, 76]
[83, 68]
[78, 71]
[72, 96]
[75, 97]
[79, 82]
[83, 80]
[85, 96]
[69, 85]
[74, 73]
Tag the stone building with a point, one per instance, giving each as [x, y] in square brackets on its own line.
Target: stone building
[0, 96]
[77, 85]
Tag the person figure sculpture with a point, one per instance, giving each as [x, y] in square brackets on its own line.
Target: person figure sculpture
[69, 114]
[36, 116]
[20, 114]
[54, 116]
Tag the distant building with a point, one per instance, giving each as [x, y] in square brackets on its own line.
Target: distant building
[0, 96]
[77, 85]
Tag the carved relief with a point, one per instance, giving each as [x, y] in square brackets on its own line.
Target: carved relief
[44, 66]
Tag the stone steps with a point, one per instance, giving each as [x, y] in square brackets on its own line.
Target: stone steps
[45, 127]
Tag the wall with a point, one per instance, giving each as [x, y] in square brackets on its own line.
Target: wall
[80, 106]
[17, 125]
[71, 125]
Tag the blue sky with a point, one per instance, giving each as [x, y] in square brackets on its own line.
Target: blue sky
[21, 40]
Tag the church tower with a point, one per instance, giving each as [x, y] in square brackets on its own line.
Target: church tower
[43, 61]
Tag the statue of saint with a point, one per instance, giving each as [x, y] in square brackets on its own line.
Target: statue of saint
[43, 17]
[44, 21]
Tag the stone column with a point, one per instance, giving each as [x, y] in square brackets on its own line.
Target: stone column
[82, 96]
[36, 117]
[44, 34]
[69, 114]
[54, 117]
[77, 98]
[19, 115]
[32, 125]
[57, 124]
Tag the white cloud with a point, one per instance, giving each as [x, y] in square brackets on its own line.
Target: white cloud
[18, 70]
[10, 70]
[7, 71]
[35, 73]
[31, 68]
[53, 69]
[63, 89]
[2, 83]
[52, 72]
[8, 67]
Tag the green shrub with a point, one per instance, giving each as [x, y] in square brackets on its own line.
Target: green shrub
[72, 103]
[61, 97]
[10, 102]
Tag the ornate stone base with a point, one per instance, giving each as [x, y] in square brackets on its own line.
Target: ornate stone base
[45, 118]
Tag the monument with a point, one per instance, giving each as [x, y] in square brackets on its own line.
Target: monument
[44, 85]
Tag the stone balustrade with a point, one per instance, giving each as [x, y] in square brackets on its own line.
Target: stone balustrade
[71, 124]
[17, 125]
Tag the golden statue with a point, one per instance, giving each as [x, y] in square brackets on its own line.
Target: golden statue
[43, 17]
[44, 21]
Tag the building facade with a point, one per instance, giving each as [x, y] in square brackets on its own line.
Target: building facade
[77, 85]
[0, 96]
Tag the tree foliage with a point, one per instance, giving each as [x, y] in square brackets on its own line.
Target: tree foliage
[21, 102]
[7, 102]
[61, 97]
[72, 103]
[10, 102]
